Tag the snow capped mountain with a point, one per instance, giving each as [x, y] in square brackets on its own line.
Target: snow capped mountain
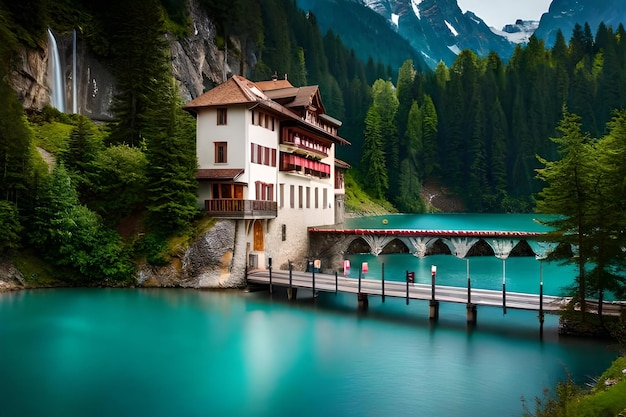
[438, 29]
[518, 32]
[564, 14]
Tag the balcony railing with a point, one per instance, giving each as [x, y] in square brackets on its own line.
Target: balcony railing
[305, 146]
[241, 209]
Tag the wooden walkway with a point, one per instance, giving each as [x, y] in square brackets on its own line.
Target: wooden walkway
[477, 297]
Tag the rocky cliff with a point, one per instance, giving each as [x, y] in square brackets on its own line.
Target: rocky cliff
[197, 64]
[213, 261]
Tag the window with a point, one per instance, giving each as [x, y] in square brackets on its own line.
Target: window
[300, 197]
[282, 195]
[308, 197]
[324, 198]
[317, 199]
[227, 191]
[262, 155]
[221, 116]
[264, 192]
[220, 152]
[292, 196]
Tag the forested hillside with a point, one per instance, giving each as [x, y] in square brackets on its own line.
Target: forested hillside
[480, 124]
[106, 196]
[475, 127]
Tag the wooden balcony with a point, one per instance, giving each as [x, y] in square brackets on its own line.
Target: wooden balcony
[241, 209]
[296, 140]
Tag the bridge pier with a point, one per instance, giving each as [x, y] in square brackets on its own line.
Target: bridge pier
[292, 293]
[471, 313]
[433, 311]
[363, 301]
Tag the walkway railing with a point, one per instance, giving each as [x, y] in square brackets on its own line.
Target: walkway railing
[409, 291]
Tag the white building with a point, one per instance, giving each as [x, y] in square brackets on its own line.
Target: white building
[266, 155]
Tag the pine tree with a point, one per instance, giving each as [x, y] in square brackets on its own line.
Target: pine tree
[172, 165]
[373, 159]
[82, 146]
[608, 211]
[429, 137]
[567, 193]
[385, 103]
[15, 148]
[71, 236]
[142, 65]
[404, 92]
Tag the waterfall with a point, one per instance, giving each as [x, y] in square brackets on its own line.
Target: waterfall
[55, 74]
[74, 77]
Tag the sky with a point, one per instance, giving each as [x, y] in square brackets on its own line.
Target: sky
[498, 13]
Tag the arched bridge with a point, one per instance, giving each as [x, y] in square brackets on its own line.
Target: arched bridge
[492, 235]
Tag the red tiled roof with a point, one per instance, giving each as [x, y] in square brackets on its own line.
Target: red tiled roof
[273, 85]
[295, 97]
[237, 90]
[219, 174]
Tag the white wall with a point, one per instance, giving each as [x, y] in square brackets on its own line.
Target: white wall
[208, 132]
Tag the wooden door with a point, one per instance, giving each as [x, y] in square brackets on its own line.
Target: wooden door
[259, 244]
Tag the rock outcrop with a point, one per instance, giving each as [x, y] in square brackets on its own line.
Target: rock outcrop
[212, 261]
[10, 277]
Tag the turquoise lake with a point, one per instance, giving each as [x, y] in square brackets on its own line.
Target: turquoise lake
[174, 352]
[168, 352]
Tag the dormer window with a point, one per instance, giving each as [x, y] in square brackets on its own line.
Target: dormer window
[222, 114]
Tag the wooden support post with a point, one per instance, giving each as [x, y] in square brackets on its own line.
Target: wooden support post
[469, 291]
[359, 291]
[291, 292]
[313, 278]
[541, 314]
[407, 287]
[471, 313]
[336, 282]
[433, 311]
[363, 301]
[382, 283]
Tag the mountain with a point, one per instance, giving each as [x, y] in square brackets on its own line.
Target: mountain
[518, 32]
[436, 29]
[564, 14]
[368, 33]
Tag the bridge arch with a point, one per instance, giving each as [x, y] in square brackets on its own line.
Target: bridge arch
[331, 245]
[377, 245]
